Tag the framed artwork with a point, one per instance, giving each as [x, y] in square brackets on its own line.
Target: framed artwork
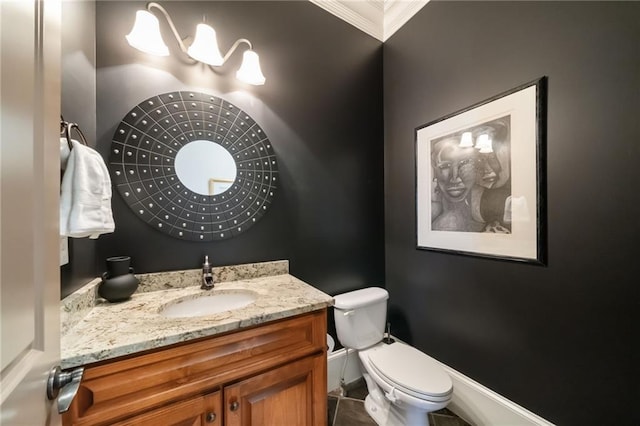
[481, 178]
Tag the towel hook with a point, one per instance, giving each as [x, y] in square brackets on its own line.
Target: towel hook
[66, 128]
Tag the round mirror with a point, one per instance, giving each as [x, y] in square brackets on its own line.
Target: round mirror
[205, 167]
[193, 166]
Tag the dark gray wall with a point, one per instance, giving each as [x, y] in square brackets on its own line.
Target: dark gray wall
[321, 108]
[79, 106]
[560, 340]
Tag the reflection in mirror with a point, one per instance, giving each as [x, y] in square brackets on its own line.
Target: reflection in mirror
[205, 167]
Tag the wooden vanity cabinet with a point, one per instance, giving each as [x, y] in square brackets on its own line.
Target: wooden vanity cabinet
[283, 396]
[273, 374]
[199, 411]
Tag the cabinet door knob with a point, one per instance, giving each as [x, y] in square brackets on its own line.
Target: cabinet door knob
[211, 417]
[234, 406]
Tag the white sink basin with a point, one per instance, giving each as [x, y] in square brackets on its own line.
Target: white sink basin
[208, 304]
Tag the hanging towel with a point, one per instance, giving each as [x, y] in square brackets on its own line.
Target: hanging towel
[64, 153]
[85, 198]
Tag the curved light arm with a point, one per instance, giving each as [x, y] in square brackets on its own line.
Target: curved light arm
[145, 36]
[235, 46]
[171, 25]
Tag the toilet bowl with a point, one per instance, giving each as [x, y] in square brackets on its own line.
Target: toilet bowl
[404, 383]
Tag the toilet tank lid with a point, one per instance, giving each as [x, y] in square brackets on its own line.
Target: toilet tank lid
[358, 298]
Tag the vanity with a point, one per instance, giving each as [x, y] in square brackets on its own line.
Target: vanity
[150, 361]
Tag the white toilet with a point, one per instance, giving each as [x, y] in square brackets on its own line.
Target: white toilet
[404, 384]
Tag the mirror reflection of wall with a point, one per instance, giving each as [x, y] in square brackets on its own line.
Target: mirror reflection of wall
[205, 167]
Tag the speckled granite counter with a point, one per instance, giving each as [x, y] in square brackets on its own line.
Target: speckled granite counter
[95, 330]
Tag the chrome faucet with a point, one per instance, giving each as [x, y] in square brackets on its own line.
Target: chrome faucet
[207, 275]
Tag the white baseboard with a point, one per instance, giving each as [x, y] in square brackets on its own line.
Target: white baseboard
[334, 368]
[481, 406]
[473, 402]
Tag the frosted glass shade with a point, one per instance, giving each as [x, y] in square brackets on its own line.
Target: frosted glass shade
[516, 209]
[484, 144]
[250, 71]
[205, 46]
[145, 34]
[466, 141]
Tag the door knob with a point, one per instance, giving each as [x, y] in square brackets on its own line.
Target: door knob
[64, 383]
[234, 406]
[211, 417]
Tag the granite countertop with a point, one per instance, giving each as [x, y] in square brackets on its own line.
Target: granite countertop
[95, 330]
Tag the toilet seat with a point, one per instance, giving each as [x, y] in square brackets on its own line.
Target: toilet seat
[407, 369]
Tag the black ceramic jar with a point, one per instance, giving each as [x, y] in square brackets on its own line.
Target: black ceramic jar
[118, 282]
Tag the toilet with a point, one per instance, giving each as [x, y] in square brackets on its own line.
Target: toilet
[404, 384]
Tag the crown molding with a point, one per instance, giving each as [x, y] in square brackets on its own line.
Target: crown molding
[378, 18]
[367, 16]
[397, 13]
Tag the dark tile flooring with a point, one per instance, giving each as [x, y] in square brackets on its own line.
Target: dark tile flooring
[348, 410]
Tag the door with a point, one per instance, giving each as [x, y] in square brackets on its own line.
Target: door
[294, 394]
[29, 193]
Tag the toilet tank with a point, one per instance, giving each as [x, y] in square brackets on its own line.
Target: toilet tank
[360, 317]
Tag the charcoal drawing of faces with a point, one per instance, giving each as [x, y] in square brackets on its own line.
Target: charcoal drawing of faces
[488, 170]
[494, 168]
[455, 168]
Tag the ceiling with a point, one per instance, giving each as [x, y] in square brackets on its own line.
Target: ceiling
[378, 18]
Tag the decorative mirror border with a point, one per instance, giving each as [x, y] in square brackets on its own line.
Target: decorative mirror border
[142, 158]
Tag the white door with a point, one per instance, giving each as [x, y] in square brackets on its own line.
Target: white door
[29, 193]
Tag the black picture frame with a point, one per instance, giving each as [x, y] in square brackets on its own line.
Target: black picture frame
[481, 178]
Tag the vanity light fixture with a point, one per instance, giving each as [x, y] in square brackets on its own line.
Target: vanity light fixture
[484, 143]
[466, 141]
[145, 36]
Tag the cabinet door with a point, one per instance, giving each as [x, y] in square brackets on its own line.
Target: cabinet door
[294, 394]
[197, 411]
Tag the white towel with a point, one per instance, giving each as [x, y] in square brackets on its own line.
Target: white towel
[85, 198]
[64, 153]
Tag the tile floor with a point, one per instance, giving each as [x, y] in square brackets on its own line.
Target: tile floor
[348, 410]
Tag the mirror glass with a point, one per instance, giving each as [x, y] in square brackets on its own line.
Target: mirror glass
[205, 167]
